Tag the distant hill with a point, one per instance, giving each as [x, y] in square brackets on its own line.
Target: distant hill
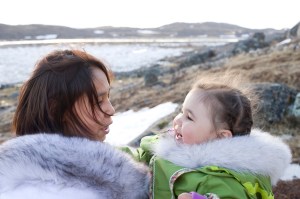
[208, 29]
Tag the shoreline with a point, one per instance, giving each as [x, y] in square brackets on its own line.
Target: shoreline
[186, 41]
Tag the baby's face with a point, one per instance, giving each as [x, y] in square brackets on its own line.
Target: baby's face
[194, 125]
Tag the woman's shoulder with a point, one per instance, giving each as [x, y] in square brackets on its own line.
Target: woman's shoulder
[43, 146]
[69, 162]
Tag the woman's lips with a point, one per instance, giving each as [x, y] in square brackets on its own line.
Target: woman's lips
[106, 129]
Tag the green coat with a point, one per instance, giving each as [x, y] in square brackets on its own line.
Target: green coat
[220, 177]
[209, 179]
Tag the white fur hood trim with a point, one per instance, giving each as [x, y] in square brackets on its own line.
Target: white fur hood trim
[259, 153]
[53, 166]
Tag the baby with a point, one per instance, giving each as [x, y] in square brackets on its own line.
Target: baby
[213, 150]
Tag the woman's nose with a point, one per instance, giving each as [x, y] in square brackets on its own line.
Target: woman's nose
[109, 109]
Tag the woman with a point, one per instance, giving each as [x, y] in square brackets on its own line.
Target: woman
[65, 112]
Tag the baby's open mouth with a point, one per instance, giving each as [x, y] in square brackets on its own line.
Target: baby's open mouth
[178, 136]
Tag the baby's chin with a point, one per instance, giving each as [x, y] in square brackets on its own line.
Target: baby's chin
[187, 142]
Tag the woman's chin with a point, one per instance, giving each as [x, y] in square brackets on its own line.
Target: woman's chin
[103, 133]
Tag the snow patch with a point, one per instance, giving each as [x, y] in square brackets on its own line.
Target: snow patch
[292, 172]
[129, 125]
[49, 36]
[98, 32]
[146, 32]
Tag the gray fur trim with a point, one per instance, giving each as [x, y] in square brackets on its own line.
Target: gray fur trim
[259, 153]
[73, 163]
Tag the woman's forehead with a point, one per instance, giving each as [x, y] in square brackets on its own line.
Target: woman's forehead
[100, 80]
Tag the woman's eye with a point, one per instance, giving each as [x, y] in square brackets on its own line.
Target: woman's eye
[100, 101]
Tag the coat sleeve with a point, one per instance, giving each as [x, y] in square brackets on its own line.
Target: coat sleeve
[223, 187]
[138, 154]
[144, 152]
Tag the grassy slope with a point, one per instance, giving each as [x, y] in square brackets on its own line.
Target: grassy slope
[276, 65]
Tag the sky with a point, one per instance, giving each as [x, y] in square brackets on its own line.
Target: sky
[256, 14]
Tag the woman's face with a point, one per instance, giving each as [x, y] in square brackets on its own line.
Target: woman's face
[84, 111]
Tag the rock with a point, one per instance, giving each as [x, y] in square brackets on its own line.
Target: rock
[259, 36]
[256, 42]
[150, 77]
[197, 58]
[275, 100]
[296, 107]
[14, 95]
[287, 189]
[295, 31]
[276, 37]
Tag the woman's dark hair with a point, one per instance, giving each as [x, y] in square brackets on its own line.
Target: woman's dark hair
[48, 97]
[229, 103]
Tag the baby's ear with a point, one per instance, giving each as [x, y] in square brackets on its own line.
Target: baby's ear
[223, 133]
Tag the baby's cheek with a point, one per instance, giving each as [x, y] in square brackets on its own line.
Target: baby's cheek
[189, 140]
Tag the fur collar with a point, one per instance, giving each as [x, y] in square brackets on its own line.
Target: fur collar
[53, 166]
[259, 153]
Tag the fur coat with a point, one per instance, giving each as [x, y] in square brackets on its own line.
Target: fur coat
[52, 166]
[259, 153]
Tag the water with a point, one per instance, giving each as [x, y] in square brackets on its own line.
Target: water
[17, 62]
[17, 58]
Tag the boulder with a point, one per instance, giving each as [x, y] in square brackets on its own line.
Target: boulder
[295, 31]
[197, 58]
[296, 107]
[150, 77]
[257, 41]
[275, 101]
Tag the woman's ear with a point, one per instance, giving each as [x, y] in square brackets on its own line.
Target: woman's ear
[223, 133]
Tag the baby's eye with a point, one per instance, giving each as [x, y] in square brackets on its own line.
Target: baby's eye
[189, 118]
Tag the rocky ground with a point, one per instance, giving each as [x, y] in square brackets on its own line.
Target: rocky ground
[287, 189]
[274, 69]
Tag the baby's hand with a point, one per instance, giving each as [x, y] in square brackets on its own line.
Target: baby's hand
[192, 195]
[185, 196]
